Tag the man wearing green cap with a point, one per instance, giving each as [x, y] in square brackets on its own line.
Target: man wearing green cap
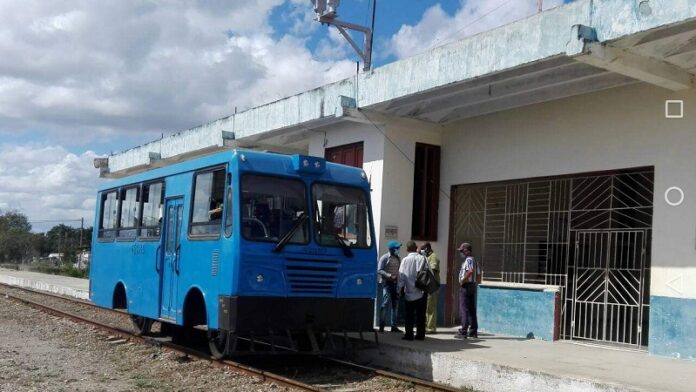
[388, 272]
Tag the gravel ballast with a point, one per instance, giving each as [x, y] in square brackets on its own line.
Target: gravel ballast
[42, 352]
[39, 352]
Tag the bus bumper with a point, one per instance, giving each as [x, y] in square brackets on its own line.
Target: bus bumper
[248, 314]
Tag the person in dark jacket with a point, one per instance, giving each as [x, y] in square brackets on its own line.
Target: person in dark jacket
[431, 308]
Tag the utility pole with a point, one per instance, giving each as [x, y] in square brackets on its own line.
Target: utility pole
[79, 256]
[540, 5]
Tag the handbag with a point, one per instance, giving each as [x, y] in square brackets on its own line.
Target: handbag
[425, 279]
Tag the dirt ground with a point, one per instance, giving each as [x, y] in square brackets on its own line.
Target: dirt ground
[39, 352]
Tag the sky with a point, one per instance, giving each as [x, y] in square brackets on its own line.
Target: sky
[81, 78]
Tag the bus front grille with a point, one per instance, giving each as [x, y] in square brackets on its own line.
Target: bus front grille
[311, 277]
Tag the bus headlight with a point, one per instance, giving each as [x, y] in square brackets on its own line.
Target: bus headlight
[259, 278]
[359, 281]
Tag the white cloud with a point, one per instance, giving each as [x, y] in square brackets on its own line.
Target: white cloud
[302, 18]
[436, 27]
[98, 69]
[334, 46]
[48, 183]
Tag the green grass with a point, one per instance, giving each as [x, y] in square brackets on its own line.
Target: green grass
[64, 270]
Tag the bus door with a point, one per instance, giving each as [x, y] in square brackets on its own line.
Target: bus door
[170, 266]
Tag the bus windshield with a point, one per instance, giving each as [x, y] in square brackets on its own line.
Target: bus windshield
[341, 215]
[270, 208]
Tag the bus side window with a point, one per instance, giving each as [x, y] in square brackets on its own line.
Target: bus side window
[208, 196]
[109, 214]
[130, 206]
[170, 231]
[228, 213]
[153, 203]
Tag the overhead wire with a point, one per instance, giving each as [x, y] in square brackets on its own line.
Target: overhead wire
[408, 158]
[54, 221]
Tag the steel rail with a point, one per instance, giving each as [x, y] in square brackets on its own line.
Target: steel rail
[264, 375]
[58, 296]
[421, 384]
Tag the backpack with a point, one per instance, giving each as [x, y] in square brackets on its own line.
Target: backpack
[425, 279]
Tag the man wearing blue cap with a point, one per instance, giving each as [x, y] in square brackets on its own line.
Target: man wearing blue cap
[388, 272]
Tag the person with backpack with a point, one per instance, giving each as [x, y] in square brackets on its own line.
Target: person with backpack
[415, 297]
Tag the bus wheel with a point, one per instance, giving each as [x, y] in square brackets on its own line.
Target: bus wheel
[142, 325]
[217, 343]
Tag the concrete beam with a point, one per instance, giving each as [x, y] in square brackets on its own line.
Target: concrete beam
[456, 88]
[248, 145]
[103, 165]
[523, 84]
[291, 115]
[550, 93]
[646, 69]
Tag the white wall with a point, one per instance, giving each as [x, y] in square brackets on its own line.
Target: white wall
[399, 158]
[614, 129]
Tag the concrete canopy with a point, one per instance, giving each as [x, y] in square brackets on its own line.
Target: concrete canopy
[581, 47]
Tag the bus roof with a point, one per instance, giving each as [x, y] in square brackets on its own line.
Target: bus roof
[257, 162]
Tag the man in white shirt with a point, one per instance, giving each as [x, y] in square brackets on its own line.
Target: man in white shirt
[415, 298]
[468, 278]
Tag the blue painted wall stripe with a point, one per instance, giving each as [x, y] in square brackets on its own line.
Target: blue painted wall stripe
[672, 327]
[515, 312]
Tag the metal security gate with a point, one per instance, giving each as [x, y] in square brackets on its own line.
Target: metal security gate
[609, 286]
[587, 234]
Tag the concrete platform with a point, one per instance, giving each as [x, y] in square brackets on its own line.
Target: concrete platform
[63, 285]
[499, 363]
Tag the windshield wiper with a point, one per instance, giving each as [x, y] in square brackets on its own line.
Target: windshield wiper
[346, 249]
[286, 238]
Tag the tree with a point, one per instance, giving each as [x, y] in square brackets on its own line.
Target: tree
[16, 239]
[66, 240]
[63, 239]
[40, 244]
[14, 221]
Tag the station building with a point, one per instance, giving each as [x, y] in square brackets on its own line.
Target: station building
[561, 146]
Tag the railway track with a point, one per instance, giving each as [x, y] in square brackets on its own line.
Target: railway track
[264, 375]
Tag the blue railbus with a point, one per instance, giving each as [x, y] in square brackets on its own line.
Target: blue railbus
[241, 243]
